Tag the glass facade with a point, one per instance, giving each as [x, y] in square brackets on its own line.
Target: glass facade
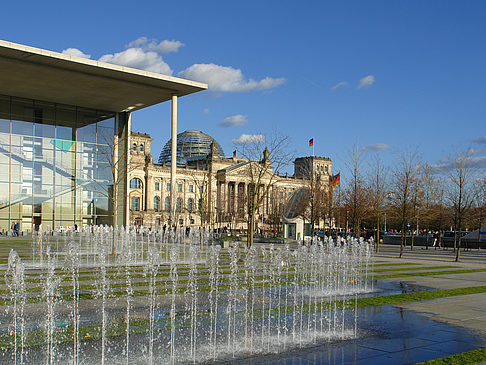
[54, 166]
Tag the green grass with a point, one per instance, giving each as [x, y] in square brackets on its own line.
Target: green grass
[418, 296]
[465, 358]
[429, 273]
[416, 268]
[394, 264]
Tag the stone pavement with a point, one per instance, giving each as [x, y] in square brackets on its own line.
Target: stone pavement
[468, 311]
[411, 332]
[472, 258]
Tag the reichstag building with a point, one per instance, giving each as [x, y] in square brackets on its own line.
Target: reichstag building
[206, 177]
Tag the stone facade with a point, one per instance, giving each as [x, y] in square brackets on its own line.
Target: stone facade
[212, 188]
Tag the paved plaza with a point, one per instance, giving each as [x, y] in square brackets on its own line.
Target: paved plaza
[465, 311]
[410, 332]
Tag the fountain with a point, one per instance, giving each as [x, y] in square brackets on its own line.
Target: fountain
[162, 298]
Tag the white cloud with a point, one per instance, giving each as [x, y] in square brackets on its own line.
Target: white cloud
[75, 52]
[225, 78]
[366, 81]
[234, 121]
[446, 165]
[480, 140]
[249, 138]
[146, 54]
[147, 44]
[140, 59]
[376, 147]
[339, 84]
[478, 162]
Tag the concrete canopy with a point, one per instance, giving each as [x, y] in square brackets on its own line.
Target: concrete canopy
[34, 73]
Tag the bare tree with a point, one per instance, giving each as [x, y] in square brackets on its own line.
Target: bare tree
[313, 205]
[378, 189]
[416, 202]
[431, 191]
[461, 192]
[200, 178]
[404, 177]
[277, 203]
[263, 173]
[115, 154]
[110, 153]
[356, 195]
[480, 205]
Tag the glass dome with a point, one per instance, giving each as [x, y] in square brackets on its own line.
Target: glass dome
[191, 145]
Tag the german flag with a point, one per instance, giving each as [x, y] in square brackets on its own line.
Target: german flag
[335, 180]
[234, 153]
[311, 142]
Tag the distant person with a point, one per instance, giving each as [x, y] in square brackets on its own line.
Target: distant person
[436, 239]
[17, 228]
[13, 229]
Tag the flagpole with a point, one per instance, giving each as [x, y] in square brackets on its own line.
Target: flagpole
[313, 147]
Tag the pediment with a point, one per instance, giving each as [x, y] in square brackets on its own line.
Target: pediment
[241, 170]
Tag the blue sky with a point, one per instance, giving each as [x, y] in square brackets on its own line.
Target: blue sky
[388, 75]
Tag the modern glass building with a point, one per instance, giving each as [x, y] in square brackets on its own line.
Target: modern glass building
[54, 167]
[64, 125]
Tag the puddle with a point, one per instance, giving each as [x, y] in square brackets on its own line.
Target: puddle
[387, 335]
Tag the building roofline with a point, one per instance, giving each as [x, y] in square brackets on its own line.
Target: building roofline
[34, 73]
[313, 157]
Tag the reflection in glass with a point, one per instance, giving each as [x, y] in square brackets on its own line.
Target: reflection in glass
[51, 170]
[45, 130]
[21, 127]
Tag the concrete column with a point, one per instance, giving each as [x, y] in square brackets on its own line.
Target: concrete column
[122, 131]
[173, 164]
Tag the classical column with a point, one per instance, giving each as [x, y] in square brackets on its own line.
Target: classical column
[173, 163]
[235, 197]
[243, 199]
[227, 197]
[149, 191]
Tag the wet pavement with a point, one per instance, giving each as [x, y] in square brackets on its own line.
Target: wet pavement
[387, 335]
[411, 332]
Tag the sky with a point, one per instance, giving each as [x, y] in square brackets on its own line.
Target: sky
[386, 75]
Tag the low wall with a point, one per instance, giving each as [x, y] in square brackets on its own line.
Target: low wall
[424, 241]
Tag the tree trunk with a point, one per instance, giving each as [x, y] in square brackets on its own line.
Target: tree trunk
[455, 231]
[402, 242]
[479, 235]
[201, 237]
[377, 243]
[251, 229]
[114, 201]
[458, 253]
